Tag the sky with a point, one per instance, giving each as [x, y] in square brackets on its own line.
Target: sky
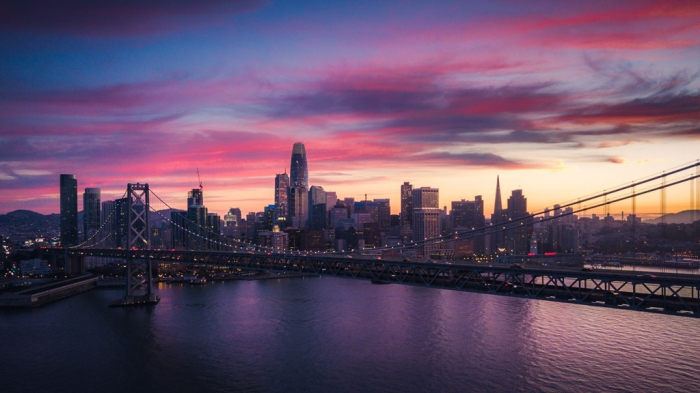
[558, 98]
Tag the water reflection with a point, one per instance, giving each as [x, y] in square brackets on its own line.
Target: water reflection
[330, 334]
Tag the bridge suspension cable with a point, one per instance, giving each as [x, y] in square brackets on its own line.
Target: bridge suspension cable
[477, 232]
[103, 238]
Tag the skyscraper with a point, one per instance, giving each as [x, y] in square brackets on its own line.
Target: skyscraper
[384, 214]
[69, 210]
[91, 212]
[317, 208]
[298, 170]
[499, 216]
[498, 206]
[297, 205]
[281, 191]
[426, 219]
[406, 205]
[195, 197]
[518, 238]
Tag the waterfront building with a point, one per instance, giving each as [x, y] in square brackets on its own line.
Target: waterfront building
[275, 240]
[35, 267]
[91, 212]
[69, 210]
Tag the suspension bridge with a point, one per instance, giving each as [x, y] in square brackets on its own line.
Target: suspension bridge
[677, 294]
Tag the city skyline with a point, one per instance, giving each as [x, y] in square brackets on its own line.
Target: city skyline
[559, 100]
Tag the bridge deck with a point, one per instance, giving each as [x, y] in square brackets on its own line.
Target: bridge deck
[677, 294]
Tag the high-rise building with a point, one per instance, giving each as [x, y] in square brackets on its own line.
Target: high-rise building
[331, 199]
[497, 238]
[426, 220]
[517, 204]
[91, 212]
[195, 197]
[383, 214]
[368, 207]
[69, 210]
[406, 218]
[463, 215]
[468, 216]
[518, 238]
[107, 219]
[298, 206]
[232, 222]
[298, 170]
[281, 191]
[337, 213]
[317, 208]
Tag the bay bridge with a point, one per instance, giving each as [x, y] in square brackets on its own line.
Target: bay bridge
[677, 294]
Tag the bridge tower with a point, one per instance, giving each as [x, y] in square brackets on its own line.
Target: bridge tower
[139, 271]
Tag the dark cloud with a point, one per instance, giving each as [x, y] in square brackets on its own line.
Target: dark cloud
[116, 18]
[658, 108]
[471, 159]
[420, 108]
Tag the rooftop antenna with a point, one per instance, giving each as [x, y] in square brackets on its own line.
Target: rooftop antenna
[200, 180]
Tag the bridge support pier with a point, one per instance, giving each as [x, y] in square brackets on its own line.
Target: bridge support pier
[139, 272]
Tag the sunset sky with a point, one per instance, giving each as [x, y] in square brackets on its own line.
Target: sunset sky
[559, 98]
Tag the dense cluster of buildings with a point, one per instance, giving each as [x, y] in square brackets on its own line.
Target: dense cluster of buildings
[309, 218]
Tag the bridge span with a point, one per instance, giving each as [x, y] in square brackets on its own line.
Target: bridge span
[677, 294]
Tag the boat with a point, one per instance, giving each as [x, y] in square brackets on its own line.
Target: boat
[199, 281]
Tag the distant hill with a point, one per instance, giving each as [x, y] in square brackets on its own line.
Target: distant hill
[19, 217]
[29, 223]
[684, 217]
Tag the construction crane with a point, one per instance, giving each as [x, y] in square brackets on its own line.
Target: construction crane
[200, 180]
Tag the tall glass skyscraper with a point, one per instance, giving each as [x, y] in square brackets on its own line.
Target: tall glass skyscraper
[69, 210]
[297, 205]
[281, 191]
[298, 170]
[91, 212]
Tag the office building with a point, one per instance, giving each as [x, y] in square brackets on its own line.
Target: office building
[281, 198]
[298, 169]
[426, 220]
[69, 210]
[406, 217]
[91, 212]
[317, 208]
[298, 206]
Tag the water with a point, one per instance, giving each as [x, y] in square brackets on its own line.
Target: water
[341, 335]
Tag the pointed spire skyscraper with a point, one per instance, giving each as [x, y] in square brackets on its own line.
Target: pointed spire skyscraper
[499, 216]
[498, 206]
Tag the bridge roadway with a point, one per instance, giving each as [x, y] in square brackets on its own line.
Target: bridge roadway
[677, 294]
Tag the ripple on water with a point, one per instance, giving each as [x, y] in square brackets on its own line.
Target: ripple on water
[340, 335]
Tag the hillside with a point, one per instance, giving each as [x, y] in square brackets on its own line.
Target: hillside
[684, 217]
